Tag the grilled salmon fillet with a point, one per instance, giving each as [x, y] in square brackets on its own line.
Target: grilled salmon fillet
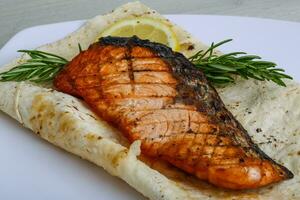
[157, 96]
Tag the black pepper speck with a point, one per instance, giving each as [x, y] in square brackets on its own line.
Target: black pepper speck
[191, 47]
[258, 130]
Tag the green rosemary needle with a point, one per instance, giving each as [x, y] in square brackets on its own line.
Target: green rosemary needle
[220, 69]
[43, 67]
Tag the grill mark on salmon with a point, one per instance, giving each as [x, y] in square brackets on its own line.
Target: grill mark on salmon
[142, 90]
[142, 77]
[157, 96]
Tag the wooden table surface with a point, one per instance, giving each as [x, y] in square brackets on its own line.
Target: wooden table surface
[16, 15]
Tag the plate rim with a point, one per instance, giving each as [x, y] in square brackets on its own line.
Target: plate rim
[165, 15]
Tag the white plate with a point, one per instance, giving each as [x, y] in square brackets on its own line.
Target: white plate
[34, 169]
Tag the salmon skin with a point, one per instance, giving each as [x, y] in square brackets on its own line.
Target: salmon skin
[157, 96]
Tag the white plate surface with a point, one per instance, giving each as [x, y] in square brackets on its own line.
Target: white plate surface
[31, 168]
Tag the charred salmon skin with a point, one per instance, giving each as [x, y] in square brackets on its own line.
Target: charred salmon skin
[157, 96]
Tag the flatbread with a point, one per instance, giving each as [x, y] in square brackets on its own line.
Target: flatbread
[270, 113]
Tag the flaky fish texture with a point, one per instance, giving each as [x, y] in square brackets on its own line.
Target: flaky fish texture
[157, 96]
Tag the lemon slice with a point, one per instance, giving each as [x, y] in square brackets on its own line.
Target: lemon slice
[145, 28]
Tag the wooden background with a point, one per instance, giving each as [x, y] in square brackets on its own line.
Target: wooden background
[16, 15]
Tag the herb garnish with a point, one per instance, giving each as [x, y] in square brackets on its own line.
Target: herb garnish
[219, 69]
[43, 67]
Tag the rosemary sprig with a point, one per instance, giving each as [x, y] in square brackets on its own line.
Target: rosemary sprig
[219, 69]
[43, 67]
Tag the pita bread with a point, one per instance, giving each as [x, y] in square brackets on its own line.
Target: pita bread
[263, 106]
